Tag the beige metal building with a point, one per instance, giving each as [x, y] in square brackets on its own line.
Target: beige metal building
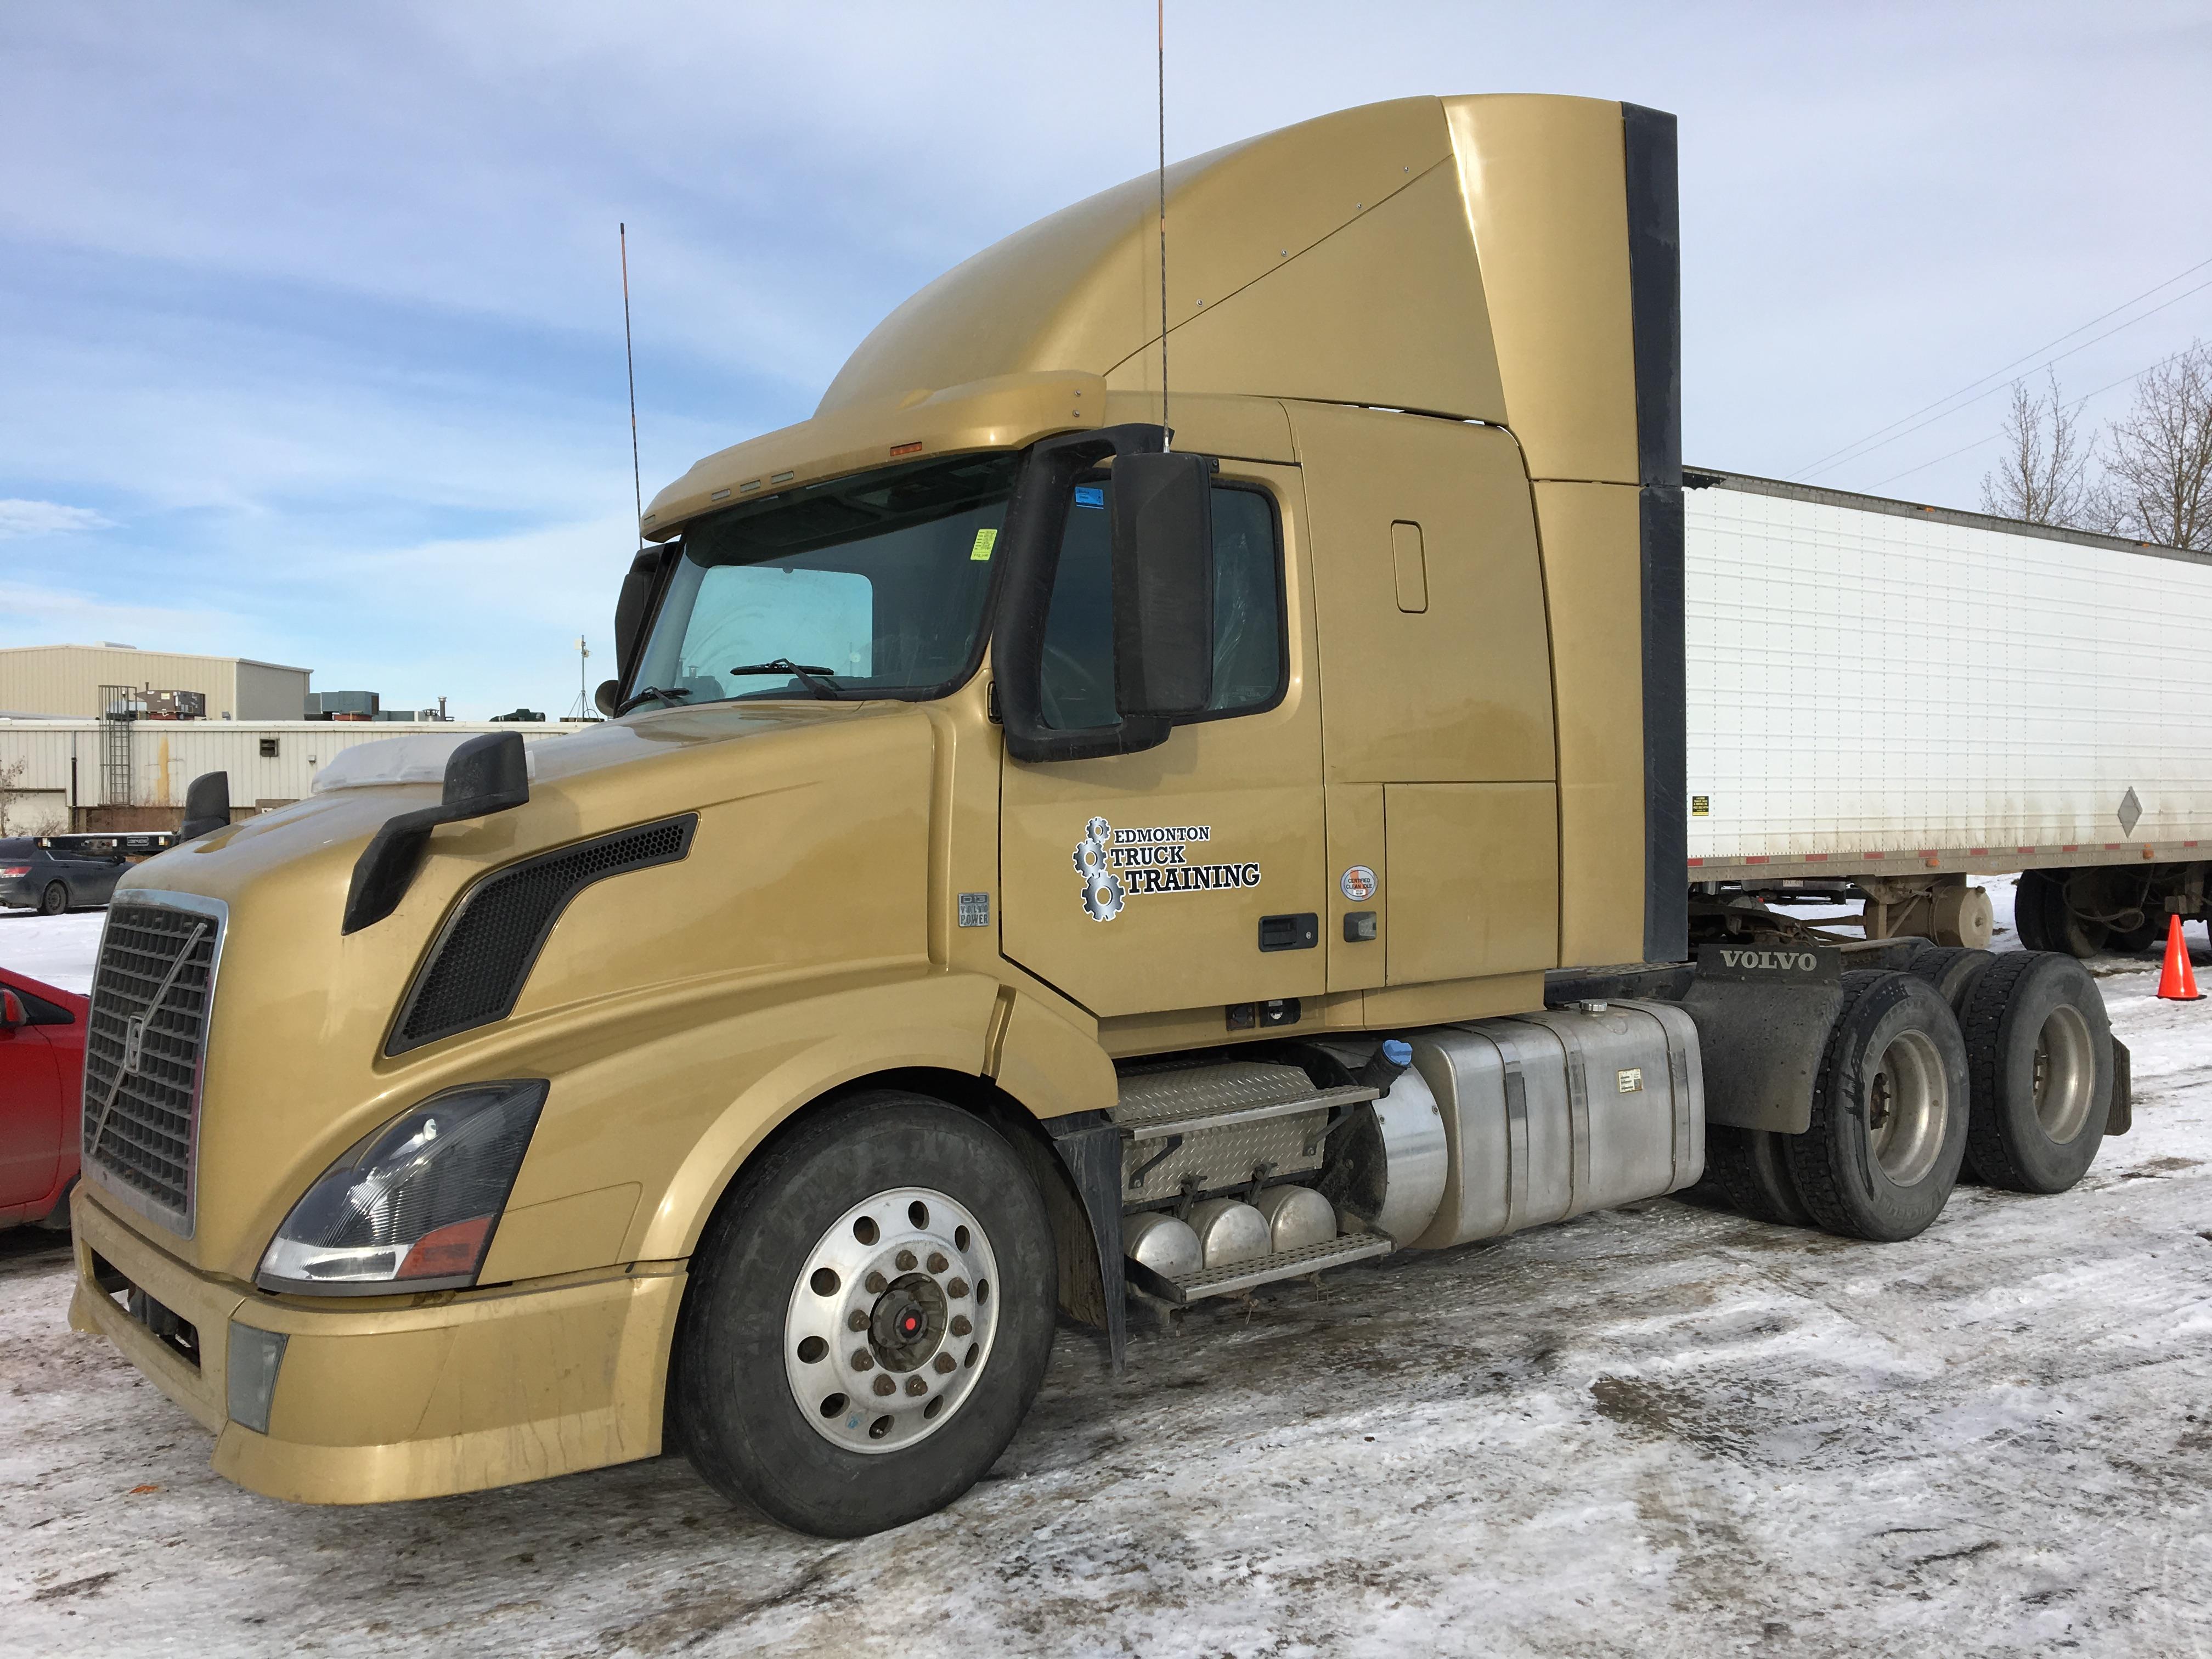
[66, 679]
[73, 767]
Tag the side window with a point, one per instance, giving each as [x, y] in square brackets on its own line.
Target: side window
[1077, 679]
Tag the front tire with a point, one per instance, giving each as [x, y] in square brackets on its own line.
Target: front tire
[1889, 1112]
[892, 1240]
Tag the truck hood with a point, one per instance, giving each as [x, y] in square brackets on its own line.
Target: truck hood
[296, 1063]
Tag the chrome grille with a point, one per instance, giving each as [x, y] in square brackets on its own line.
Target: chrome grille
[144, 1050]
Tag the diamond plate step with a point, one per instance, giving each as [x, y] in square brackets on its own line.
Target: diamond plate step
[1266, 1270]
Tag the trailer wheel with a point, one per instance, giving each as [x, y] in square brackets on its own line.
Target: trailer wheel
[868, 1319]
[2038, 911]
[2039, 1056]
[1752, 1170]
[1889, 1111]
[54, 901]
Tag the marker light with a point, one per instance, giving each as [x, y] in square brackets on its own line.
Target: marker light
[414, 1206]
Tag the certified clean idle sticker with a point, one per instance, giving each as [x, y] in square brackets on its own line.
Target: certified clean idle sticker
[1117, 864]
[1358, 883]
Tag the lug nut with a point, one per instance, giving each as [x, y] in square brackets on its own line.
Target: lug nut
[956, 1288]
[856, 1321]
[960, 1325]
[914, 1386]
[906, 1261]
[885, 1385]
[944, 1364]
[937, 1264]
[877, 1284]
[863, 1360]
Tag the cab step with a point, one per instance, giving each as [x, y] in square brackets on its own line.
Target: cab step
[1203, 1128]
[1262, 1270]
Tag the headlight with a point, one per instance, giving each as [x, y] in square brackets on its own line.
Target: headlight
[413, 1207]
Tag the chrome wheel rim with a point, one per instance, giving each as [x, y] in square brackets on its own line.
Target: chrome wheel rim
[892, 1320]
[2065, 1073]
[1908, 1103]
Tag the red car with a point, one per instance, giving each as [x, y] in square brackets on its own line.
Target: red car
[41, 1091]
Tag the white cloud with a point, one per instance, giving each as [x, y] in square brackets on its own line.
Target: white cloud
[22, 518]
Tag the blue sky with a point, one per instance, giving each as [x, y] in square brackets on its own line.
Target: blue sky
[310, 318]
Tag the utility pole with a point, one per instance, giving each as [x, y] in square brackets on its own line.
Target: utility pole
[584, 710]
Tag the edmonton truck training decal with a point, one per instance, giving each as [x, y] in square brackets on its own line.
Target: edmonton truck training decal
[1117, 864]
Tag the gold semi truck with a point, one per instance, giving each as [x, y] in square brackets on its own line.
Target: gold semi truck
[1069, 841]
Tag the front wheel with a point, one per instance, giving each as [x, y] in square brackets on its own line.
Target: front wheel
[869, 1316]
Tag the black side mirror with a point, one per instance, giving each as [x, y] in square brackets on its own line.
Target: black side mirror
[486, 774]
[634, 609]
[207, 806]
[1163, 584]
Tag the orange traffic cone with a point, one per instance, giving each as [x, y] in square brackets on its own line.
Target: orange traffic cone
[2178, 983]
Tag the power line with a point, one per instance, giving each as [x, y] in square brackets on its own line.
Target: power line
[1814, 472]
[2078, 403]
[2014, 363]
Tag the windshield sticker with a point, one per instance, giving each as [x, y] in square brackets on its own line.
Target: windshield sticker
[985, 539]
[1091, 495]
[1118, 865]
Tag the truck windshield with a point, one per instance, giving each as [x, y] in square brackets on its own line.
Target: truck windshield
[876, 583]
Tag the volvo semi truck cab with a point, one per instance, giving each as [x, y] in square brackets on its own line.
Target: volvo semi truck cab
[1068, 842]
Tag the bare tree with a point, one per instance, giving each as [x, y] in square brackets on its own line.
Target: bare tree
[11, 790]
[2158, 477]
[2044, 477]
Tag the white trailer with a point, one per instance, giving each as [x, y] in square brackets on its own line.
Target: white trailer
[1887, 699]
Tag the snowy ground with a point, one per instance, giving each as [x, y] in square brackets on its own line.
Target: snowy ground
[59, 950]
[1662, 1429]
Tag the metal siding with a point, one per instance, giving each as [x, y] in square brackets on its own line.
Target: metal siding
[1867, 681]
[266, 692]
[192, 747]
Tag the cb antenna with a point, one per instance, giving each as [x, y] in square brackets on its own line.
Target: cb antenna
[629, 361]
[1167, 433]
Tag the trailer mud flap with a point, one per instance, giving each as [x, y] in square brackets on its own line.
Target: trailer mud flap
[1763, 1016]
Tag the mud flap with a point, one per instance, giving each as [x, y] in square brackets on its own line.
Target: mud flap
[2120, 1116]
[1763, 1016]
[1090, 1146]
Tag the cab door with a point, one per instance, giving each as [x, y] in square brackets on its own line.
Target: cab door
[1190, 874]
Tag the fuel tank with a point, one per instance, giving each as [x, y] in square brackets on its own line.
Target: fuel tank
[1551, 1114]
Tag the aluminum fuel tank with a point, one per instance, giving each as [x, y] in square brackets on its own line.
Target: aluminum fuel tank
[1554, 1114]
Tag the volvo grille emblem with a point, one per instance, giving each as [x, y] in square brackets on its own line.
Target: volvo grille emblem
[134, 1040]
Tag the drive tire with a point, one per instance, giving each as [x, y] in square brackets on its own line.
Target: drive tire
[739, 1418]
[1951, 969]
[1889, 1111]
[2037, 1015]
[55, 900]
[1751, 1169]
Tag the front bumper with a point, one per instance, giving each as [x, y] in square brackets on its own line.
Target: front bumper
[448, 1393]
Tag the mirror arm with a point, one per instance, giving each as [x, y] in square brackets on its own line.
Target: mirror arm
[484, 776]
[1036, 518]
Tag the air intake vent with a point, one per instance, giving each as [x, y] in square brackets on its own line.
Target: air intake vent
[483, 954]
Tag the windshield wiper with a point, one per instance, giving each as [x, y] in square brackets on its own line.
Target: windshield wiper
[815, 679]
[668, 695]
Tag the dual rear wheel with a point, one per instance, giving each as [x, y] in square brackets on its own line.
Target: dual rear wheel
[2001, 1066]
